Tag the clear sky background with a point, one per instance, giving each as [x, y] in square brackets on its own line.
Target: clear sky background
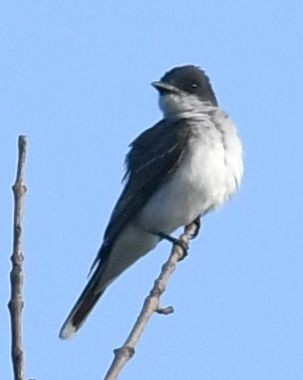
[75, 78]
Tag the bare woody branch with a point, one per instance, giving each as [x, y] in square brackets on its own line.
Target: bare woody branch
[16, 303]
[151, 304]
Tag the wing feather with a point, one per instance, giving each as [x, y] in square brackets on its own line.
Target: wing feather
[153, 157]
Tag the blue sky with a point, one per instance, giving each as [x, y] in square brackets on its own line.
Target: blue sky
[76, 80]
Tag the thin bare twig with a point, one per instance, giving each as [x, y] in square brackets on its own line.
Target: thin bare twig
[151, 305]
[16, 303]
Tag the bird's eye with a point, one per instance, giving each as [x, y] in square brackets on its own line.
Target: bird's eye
[194, 85]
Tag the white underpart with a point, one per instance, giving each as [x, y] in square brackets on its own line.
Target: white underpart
[208, 176]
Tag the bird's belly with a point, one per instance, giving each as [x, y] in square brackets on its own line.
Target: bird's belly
[202, 182]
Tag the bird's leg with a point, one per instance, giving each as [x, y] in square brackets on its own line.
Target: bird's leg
[179, 242]
[175, 241]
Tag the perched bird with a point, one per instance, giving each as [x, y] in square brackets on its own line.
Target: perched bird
[186, 165]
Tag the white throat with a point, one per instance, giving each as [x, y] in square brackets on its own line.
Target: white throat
[182, 105]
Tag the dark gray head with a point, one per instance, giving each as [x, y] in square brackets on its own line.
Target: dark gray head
[190, 80]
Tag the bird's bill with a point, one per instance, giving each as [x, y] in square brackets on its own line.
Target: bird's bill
[164, 88]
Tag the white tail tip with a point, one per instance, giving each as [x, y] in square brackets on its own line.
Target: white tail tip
[67, 331]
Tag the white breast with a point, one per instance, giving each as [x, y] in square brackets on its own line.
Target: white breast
[209, 174]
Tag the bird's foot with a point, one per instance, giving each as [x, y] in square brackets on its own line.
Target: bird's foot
[197, 222]
[175, 241]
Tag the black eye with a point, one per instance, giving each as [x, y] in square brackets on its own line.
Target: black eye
[194, 85]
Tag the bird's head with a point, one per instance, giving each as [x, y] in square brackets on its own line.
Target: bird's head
[184, 88]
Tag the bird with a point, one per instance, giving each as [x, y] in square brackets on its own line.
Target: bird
[186, 165]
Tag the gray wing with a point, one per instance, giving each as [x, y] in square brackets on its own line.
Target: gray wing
[153, 157]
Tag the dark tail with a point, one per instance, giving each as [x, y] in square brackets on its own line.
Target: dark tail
[85, 303]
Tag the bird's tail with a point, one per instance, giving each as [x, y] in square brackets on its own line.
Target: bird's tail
[85, 303]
